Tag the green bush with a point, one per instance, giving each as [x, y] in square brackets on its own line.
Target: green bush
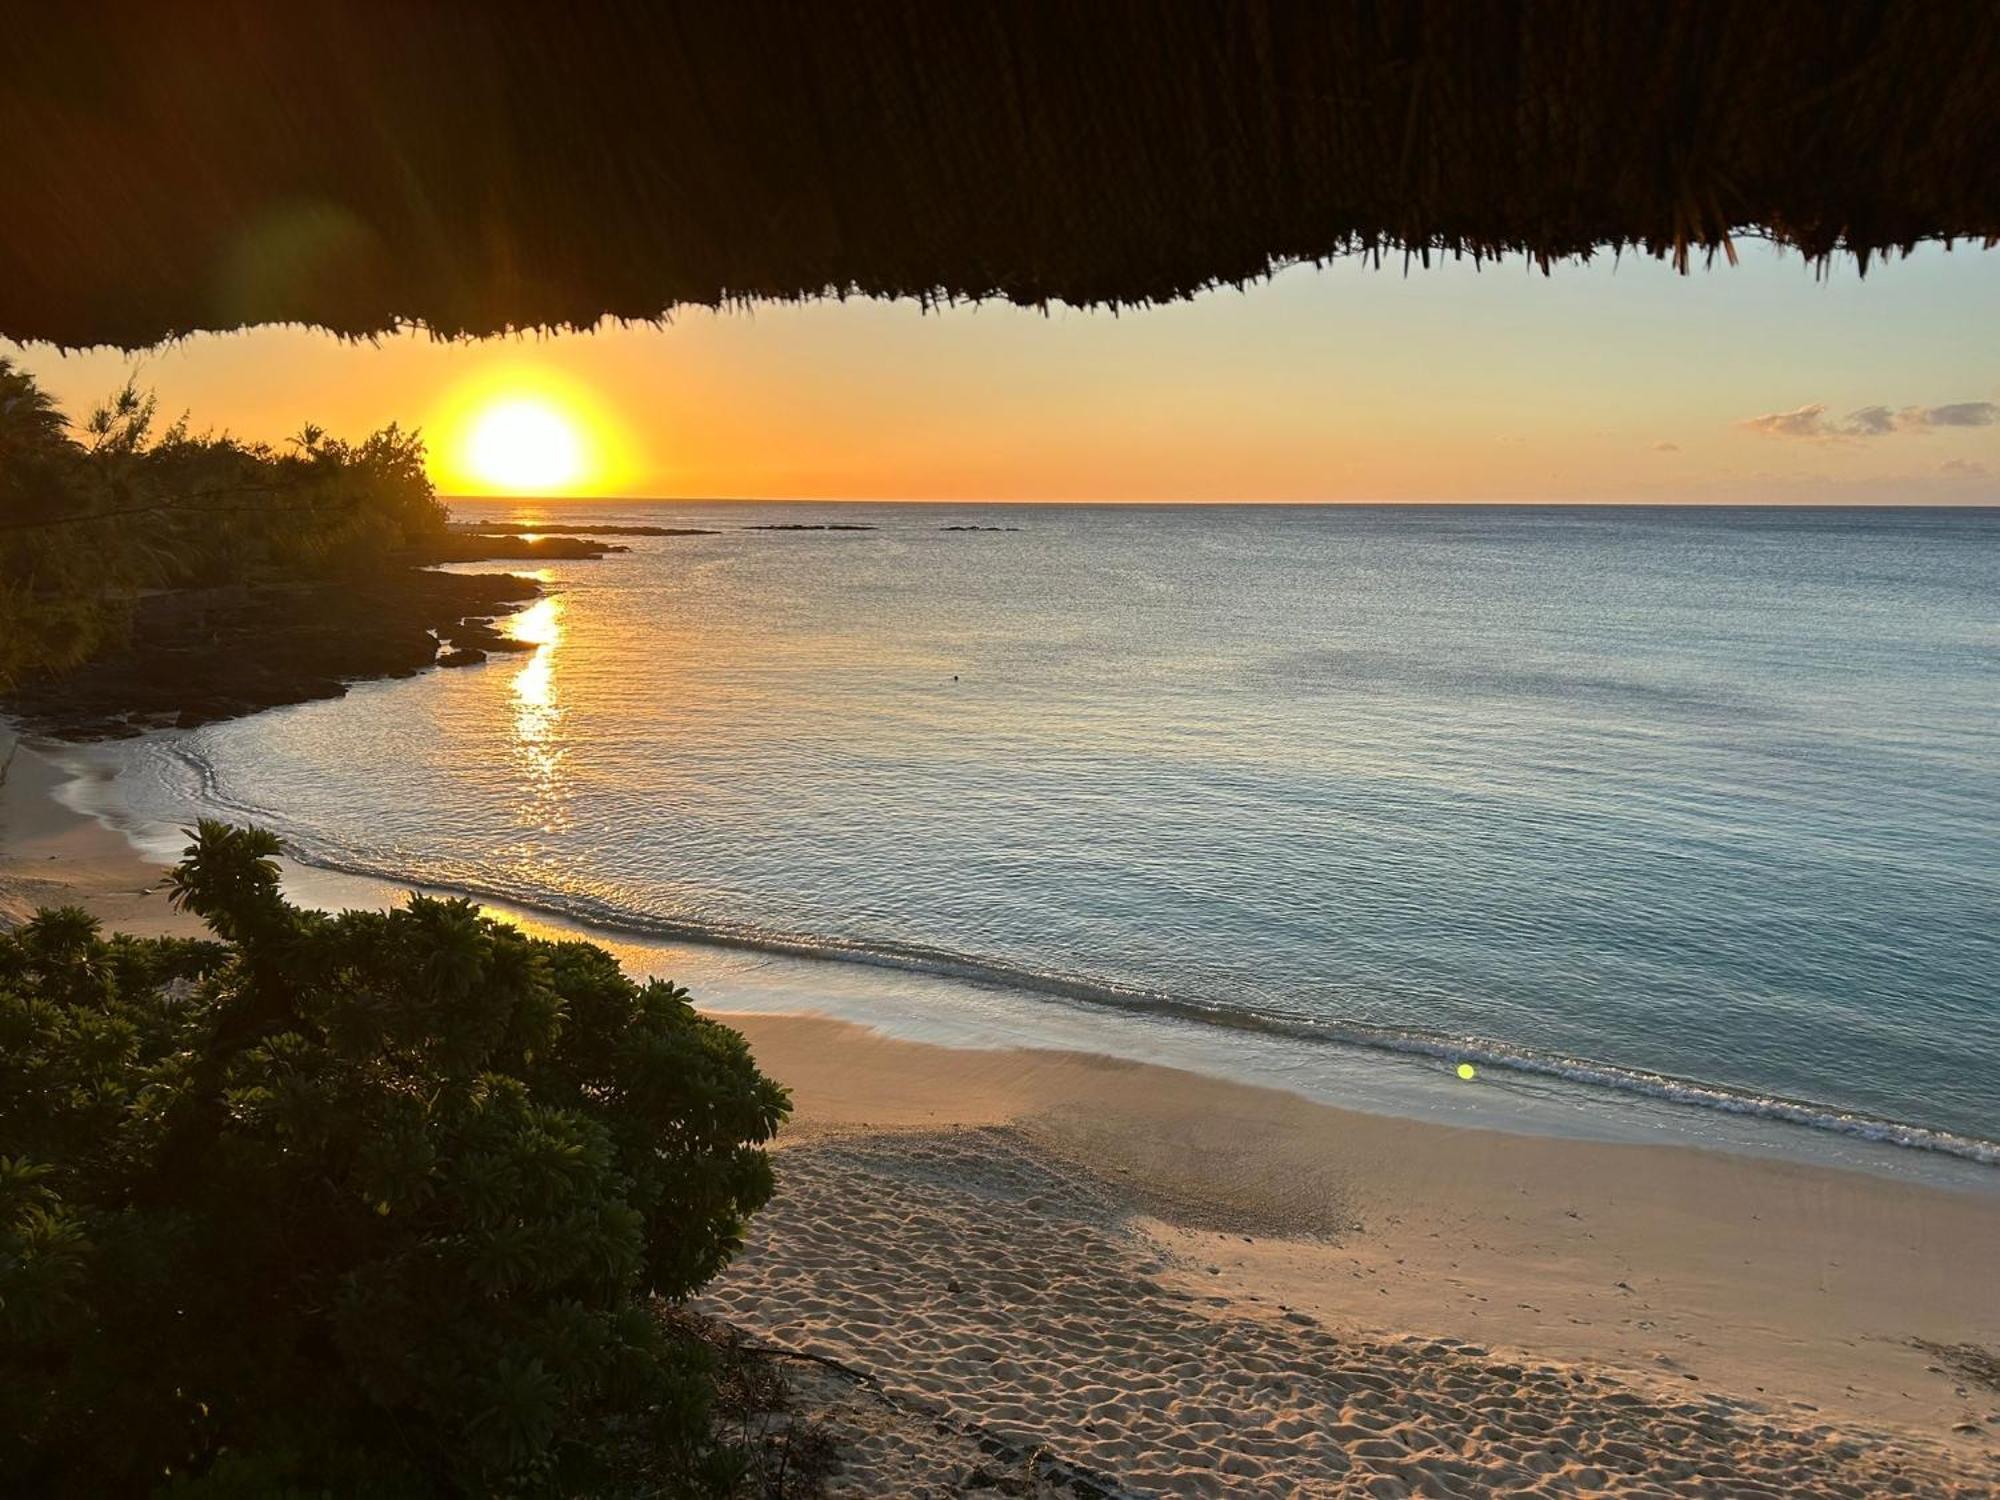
[369, 1203]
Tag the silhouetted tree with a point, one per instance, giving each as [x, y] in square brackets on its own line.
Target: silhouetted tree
[368, 1203]
[89, 521]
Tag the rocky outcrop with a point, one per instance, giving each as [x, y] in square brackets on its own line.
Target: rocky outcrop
[196, 656]
[479, 547]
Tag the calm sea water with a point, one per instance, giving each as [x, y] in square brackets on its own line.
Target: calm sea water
[1703, 803]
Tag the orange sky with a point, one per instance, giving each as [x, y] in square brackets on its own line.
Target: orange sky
[1600, 382]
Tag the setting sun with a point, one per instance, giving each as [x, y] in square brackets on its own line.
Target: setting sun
[522, 429]
[524, 445]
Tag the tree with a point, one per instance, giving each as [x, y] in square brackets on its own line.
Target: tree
[87, 525]
[372, 1202]
[48, 611]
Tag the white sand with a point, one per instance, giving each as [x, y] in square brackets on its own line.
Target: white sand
[1206, 1288]
[967, 1270]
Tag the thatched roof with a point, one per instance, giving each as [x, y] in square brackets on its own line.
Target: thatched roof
[168, 167]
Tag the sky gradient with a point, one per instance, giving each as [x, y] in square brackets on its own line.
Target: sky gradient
[1760, 383]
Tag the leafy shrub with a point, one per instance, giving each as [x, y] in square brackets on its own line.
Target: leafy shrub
[368, 1203]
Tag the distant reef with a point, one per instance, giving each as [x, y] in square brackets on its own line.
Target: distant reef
[810, 526]
[979, 528]
[524, 528]
[480, 547]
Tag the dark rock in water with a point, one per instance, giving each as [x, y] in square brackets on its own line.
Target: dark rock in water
[461, 657]
[478, 635]
[979, 528]
[461, 547]
[815, 526]
[202, 655]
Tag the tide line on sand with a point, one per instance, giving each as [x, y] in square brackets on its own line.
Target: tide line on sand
[1610, 1079]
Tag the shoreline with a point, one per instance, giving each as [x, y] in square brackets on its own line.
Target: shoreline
[1792, 1290]
[201, 655]
[924, 995]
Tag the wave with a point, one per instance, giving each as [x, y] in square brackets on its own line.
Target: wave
[1024, 979]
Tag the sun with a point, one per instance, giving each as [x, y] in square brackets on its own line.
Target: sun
[523, 444]
[527, 428]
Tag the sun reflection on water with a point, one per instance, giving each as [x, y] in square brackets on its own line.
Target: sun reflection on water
[538, 713]
[540, 624]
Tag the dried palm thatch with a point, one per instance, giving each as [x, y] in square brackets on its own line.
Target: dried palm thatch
[482, 166]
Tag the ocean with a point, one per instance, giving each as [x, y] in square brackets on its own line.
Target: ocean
[1698, 808]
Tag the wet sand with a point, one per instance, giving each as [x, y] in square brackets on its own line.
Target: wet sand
[52, 856]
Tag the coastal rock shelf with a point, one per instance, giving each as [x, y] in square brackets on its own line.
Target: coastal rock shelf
[202, 655]
[196, 656]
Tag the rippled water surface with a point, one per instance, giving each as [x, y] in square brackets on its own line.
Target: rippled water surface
[1706, 794]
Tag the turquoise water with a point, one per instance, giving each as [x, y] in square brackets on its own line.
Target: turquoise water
[1699, 804]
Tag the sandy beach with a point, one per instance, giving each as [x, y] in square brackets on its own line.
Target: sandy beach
[1184, 1285]
[52, 856]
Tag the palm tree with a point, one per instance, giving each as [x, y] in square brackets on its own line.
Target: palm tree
[31, 424]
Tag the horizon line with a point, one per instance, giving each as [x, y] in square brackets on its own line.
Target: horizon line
[1993, 504]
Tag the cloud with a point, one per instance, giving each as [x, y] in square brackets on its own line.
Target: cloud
[1811, 422]
[1870, 421]
[1802, 422]
[1958, 414]
[1666, 447]
[1964, 468]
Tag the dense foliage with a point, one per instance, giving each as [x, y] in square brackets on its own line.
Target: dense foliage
[374, 1202]
[90, 519]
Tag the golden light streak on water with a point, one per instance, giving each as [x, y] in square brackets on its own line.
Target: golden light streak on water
[539, 749]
